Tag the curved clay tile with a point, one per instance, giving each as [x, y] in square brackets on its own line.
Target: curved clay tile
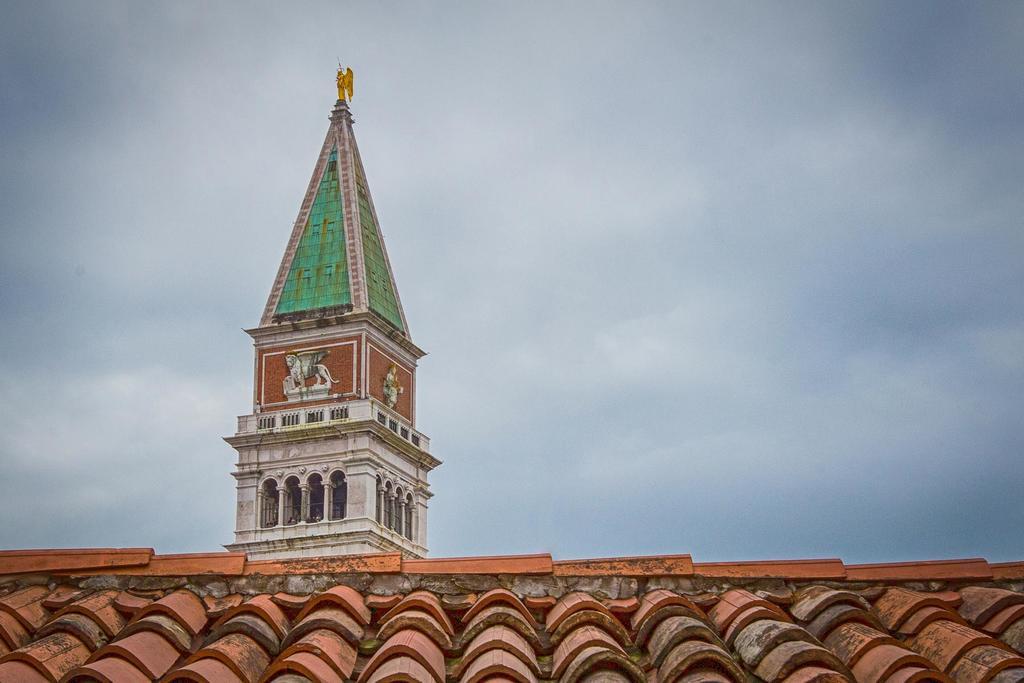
[379, 603]
[809, 602]
[129, 604]
[147, 651]
[251, 625]
[52, 656]
[499, 596]
[22, 673]
[203, 671]
[897, 604]
[851, 641]
[657, 605]
[675, 630]
[499, 637]
[100, 608]
[400, 670]
[986, 663]
[111, 670]
[336, 652]
[576, 642]
[833, 616]
[789, 656]
[815, 674]
[263, 607]
[883, 661]
[218, 607]
[759, 639]
[500, 615]
[417, 620]
[569, 604]
[734, 602]
[183, 606]
[424, 602]
[170, 629]
[1002, 619]
[1013, 635]
[78, 625]
[345, 597]
[982, 603]
[12, 632]
[495, 663]
[694, 656]
[594, 660]
[331, 618]
[603, 677]
[944, 642]
[408, 643]
[743, 619]
[602, 620]
[62, 596]
[244, 656]
[289, 601]
[305, 664]
[913, 624]
[917, 674]
[26, 605]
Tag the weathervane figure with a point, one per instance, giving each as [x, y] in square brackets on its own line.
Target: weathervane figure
[346, 82]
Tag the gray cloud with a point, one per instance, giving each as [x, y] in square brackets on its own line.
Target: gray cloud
[742, 281]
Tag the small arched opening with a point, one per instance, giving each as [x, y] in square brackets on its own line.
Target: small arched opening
[398, 505]
[408, 516]
[389, 506]
[339, 495]
[268, 511]
[316, 499]
[293, 501]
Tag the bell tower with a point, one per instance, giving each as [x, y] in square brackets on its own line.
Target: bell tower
[330, 460]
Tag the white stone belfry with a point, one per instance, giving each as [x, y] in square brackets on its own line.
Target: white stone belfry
[329, 460]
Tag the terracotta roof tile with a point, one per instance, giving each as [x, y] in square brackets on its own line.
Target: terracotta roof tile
[498, 596]
[147, 651]
[71, 559]
[334, 650]
[204, 671]
[502, 638]
[944, 642]
[183, 606]
[981, 603]
[696, 656]
[796, 569]
[408, 643]
[52, 656]
[732, 603]
[970, 569]
[658, 565]
[100, 608]
[600, 621]
[344, 597]
[508, 564]
[112, 670]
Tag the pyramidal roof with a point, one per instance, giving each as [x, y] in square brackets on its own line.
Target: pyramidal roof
[336, 261]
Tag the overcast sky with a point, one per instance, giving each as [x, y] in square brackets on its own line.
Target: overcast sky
[738, 280]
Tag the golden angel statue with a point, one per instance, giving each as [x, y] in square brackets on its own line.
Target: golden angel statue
[346, 83]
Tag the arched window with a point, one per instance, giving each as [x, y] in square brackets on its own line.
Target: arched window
[339, 495]
[399, 510]
[293, 501]
[268, 515]
[389, 506]
[316, 499]
[408, 516]
[380, 501]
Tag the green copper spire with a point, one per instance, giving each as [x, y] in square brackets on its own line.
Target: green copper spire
[336, 262]
[318, 277]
